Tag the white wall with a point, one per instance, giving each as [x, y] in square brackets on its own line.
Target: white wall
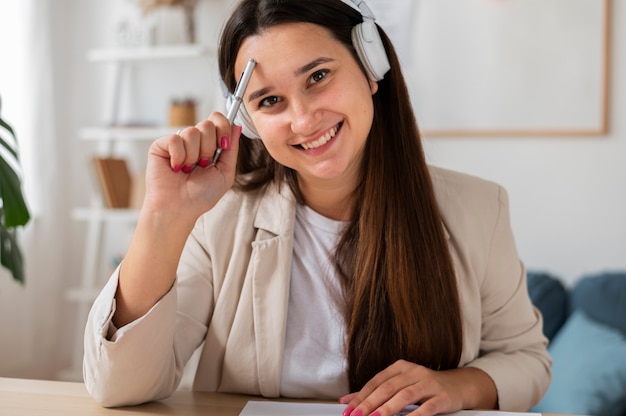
[568, 195]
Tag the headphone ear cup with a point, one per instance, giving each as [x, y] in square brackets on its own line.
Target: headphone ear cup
[243, 119]
[370, 48]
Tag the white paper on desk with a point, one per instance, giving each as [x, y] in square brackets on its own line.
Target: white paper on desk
[262, 408]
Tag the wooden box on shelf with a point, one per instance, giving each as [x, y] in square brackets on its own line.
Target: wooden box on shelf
[115, 181]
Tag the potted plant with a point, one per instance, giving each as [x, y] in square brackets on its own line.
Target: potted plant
[13, 210]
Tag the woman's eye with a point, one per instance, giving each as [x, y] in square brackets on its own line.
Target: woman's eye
[268, 101]
[317, 76]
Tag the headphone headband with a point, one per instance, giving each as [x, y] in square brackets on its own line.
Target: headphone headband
[361, 7]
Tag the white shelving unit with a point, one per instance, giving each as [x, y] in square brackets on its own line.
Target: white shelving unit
[147, 53]
[96, 216]
[115, 134]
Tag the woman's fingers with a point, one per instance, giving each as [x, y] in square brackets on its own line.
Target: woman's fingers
[192, 137]
[399, 385]
[198, 144]
[208, 143]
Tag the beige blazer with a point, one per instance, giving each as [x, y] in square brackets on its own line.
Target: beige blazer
[232, 292]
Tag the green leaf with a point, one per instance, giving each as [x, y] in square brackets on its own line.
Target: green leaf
[4, 143]
[11, 197]
[10, 255]
[14, 207]
[6, 126]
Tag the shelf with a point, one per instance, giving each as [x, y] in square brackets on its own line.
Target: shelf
[104, 214]
[97, 218]
[126, 133]
[145, 53]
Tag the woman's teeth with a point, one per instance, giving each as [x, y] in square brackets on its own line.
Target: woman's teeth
[321, 141]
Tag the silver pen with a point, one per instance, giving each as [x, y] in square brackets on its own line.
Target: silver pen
[240, 89]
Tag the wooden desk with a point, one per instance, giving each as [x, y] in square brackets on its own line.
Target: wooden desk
[56, 398]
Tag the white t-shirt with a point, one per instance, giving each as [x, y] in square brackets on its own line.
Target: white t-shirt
[314, 363]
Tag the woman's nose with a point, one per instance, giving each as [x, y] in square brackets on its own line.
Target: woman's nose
[305, 116]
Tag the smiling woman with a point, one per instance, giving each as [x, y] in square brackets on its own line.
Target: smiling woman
[325, 259]
[301, 110]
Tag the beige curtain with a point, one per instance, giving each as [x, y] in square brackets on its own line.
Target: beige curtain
[30, 315]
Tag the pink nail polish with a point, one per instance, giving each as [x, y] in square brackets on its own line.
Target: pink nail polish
[348, 411]
[375, 414]
[357, 412]
[204, 162]
[177, 168]
[224, 143]
[187, 168]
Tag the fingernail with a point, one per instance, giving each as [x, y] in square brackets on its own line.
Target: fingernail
[204, 162]
[224, 143]
[357, 412]
[348, 411]
[177, 168]
[375, 414]
[187, 168]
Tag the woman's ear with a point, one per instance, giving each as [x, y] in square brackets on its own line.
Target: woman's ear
[373, 86]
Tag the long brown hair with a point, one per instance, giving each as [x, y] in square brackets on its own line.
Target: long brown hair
[401, 298]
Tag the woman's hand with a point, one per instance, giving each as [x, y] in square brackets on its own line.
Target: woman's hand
[180, 178]
[181, 184]
[404, 383]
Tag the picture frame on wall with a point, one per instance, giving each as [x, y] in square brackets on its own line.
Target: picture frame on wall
[510, 67]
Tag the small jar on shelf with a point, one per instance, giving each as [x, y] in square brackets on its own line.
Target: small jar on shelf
[182, 112]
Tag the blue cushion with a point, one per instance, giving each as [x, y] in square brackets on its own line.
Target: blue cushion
[549, 296]
[603, 298]
[589, 369]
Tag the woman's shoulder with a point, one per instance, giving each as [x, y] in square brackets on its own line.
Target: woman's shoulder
[450, 185]
[451, 181]
[462, 197]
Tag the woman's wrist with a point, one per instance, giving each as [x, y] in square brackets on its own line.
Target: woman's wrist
[478, 391]
[148, 270]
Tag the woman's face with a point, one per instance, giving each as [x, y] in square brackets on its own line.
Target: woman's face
[309, 100]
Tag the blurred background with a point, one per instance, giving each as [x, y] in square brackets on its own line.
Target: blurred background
[528, 93]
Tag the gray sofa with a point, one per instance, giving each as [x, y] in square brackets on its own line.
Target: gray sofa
[586, 326]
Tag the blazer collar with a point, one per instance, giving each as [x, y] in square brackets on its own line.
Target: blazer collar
[276, 212]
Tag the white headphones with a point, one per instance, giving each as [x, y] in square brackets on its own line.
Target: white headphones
[367, 42]
[369, 48]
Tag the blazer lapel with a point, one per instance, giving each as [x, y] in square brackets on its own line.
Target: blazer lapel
[271, 256]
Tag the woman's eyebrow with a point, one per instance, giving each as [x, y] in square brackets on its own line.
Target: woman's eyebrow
[258, 93]
[304, 69]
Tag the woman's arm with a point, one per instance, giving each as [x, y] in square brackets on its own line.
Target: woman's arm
[143, 360]
[513, 369]
[512, 344]
[180, 186]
